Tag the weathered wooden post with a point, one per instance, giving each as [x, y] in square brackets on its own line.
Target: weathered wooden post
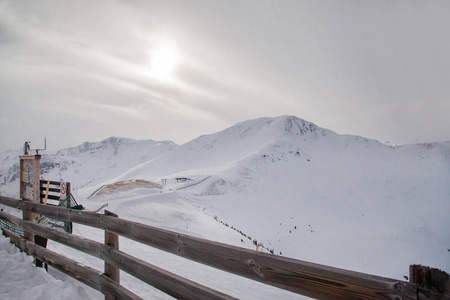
[434, 283]
[30, 190]
[112, 240]
[29, 185]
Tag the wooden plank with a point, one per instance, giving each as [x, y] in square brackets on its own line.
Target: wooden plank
[313, 280]
[167, 282]
[296, 276]
[52, 197]
[52, 182]
[54, 205]
[68, 266]
[86, 275]
[50, 189]
[10, 218]
[113, 290]
[76, 242]
[172, 284]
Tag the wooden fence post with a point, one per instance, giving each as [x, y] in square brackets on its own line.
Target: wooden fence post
[112, 240]
[430, 280]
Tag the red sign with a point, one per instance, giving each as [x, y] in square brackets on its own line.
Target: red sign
[63, 189]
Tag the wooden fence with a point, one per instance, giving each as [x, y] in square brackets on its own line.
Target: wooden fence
[313, 280]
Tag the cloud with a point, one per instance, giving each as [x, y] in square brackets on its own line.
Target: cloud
[360, 68]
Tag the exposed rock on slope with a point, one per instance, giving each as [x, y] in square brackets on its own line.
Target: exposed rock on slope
[123, 186]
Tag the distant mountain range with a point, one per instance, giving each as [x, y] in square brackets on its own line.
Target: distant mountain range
[87, 164]
[247, 145]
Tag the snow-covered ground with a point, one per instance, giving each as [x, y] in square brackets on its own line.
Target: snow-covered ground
[300, 190]
[20, 279]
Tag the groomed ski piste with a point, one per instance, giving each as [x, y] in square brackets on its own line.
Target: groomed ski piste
[299, 190]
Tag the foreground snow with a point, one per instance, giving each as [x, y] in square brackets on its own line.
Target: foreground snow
[20, 279]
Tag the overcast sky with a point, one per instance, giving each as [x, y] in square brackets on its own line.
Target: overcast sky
[76, 71]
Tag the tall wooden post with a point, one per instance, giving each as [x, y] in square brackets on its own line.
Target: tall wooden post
[112, 240]
[435, 284]
[29, 185]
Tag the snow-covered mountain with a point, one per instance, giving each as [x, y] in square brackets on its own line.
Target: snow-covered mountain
[227, 148]
[299, 190]
[87, 164]
[309, 193]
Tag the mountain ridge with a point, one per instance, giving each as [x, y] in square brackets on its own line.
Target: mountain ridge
[220, 150]
[110, 158]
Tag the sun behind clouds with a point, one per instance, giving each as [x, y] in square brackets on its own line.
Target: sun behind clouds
[165, 59]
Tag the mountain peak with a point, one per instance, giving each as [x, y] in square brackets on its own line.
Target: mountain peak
[295, 125]
[275, 128]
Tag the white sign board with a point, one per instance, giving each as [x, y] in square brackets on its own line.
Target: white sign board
[63, 190]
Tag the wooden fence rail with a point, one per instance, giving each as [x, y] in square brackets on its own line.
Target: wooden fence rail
[313, 280]
[165, 281]
[84, 274]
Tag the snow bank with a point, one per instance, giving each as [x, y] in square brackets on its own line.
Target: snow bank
[20, 279]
